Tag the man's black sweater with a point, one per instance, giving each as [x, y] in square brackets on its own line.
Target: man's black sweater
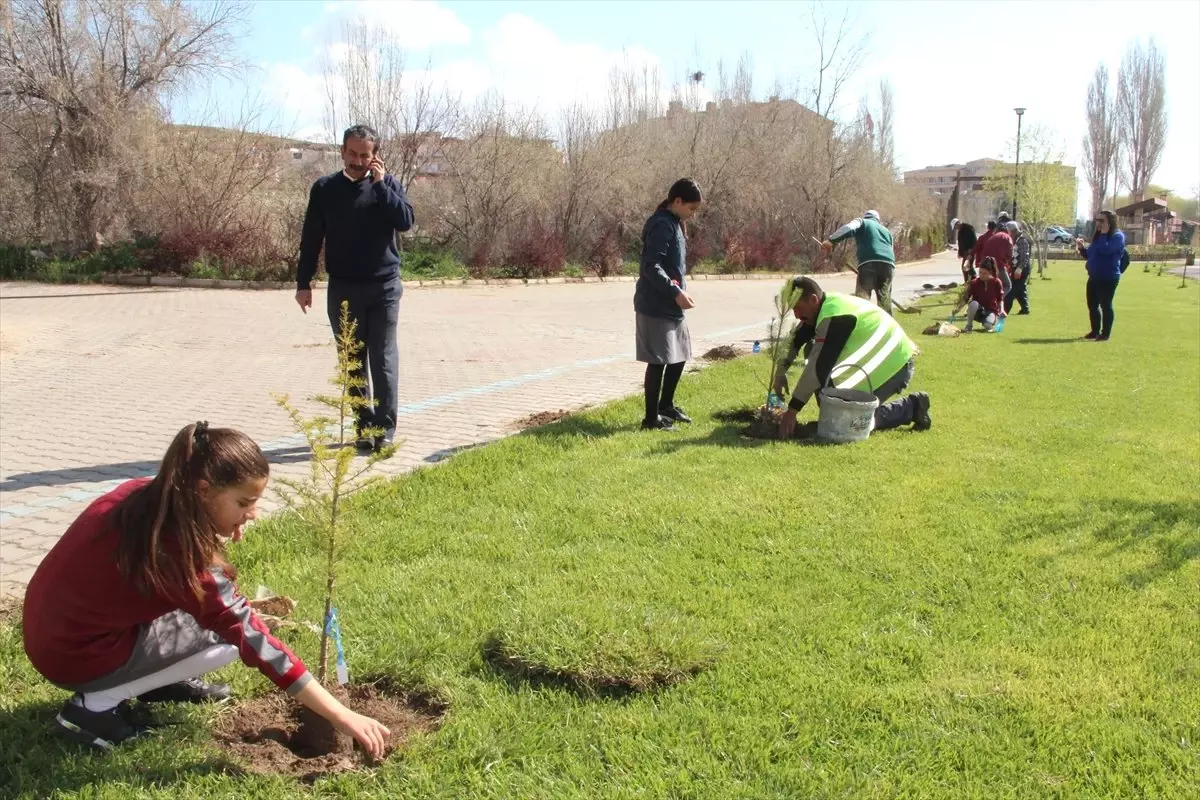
[355, 221]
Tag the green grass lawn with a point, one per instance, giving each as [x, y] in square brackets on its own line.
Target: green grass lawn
[1005, 606]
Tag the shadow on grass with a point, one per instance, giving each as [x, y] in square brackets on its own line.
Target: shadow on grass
[517, 678]
[581, 427]
[1068, 340]
[124, 470]
[37, 762]
[1171, 529]
[517, 671]
[449, 452]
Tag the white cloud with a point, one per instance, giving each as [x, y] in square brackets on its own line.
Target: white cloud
[532, 65]
[518, 58]
[414, 23]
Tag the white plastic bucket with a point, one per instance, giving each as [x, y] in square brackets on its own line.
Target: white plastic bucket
[847, 415]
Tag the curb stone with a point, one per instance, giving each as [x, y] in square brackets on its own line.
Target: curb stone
[175, 281]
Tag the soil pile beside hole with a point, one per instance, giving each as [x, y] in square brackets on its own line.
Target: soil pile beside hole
[725, 352]
[9, 607]
[540, 418]
[267, 734]
[275, 606]
[765, 425]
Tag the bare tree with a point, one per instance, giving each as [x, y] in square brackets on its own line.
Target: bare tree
[839, 56]
[886, 140]
[373, 84]
[88, 70]
[831, 150]
[1142, 113]
[499, 166]
[1100, 144]
[635, 94]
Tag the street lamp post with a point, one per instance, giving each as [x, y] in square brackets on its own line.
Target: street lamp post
[1017, 177]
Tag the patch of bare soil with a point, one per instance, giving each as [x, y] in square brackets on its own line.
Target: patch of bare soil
[765, 425]
[725, 352]
[9, 607]
[540, 418]
[274, 735]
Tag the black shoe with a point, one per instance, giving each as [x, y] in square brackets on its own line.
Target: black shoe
[921, 419]
[1023, 312]
[659, 423]
[103, 730]
[674, 413]
[1092, 335]
[1102, 337]
[381, 442]
[364, 444]
[192, 690]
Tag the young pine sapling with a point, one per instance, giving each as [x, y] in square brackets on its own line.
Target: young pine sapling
[320, 498]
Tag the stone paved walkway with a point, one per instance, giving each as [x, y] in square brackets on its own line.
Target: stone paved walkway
[95, 381]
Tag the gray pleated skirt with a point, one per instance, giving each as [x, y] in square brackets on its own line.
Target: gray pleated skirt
[663, 341]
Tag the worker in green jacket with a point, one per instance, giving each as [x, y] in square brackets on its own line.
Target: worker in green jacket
[876, 256]
[855, 345]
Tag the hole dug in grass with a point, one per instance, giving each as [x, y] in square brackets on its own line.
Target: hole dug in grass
[594, 654]
[273, 735]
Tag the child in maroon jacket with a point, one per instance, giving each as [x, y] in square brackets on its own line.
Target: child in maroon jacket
[137, 599]
[985, 297]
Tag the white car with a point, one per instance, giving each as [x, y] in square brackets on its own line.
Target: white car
[1057, 235]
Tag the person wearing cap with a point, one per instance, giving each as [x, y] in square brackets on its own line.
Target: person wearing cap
[1022, 248]
[965, 237]
[875, 254]
[855, 345]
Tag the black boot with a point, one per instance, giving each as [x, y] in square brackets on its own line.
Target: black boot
[674, 413]
[921, 419]
[659, 423]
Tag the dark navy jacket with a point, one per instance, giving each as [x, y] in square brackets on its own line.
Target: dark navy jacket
[356, 223]
[664, 267]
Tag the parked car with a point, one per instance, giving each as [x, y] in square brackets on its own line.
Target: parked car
[1057, 235]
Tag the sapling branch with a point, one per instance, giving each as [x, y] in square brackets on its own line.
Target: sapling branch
[319, 500]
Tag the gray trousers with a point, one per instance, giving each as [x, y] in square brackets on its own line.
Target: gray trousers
[876, 276]
[375, 309]
[164, 642]
[897, 412]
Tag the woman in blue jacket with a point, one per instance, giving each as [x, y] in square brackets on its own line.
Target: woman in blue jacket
[663, 341]
[1104, 273]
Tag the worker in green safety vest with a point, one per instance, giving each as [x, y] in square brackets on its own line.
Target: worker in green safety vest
[855, 345]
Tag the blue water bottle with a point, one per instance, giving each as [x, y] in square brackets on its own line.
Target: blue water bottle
[1000, 324]
[757, 347]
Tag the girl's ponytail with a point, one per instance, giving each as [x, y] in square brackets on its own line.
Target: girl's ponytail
[167, 537]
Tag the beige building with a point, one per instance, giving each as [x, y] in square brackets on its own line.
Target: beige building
[961, 188]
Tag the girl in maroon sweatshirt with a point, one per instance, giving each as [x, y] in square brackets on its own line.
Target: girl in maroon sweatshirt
[137, 599]
[984, 296]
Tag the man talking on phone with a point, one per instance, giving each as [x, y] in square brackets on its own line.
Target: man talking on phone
[354, 215]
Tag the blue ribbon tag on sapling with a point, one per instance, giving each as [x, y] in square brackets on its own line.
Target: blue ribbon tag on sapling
[332, 628]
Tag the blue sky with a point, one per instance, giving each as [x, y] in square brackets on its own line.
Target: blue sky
[957, 68]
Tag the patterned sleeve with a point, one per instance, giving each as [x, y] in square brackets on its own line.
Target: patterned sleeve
[224, 611]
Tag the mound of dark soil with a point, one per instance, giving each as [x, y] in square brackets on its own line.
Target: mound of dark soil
[274, 735]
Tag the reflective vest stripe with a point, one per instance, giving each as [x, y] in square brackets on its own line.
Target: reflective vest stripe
[876, 360]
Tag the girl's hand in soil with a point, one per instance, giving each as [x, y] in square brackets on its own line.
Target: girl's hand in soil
[368, 732]
[371, 734]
